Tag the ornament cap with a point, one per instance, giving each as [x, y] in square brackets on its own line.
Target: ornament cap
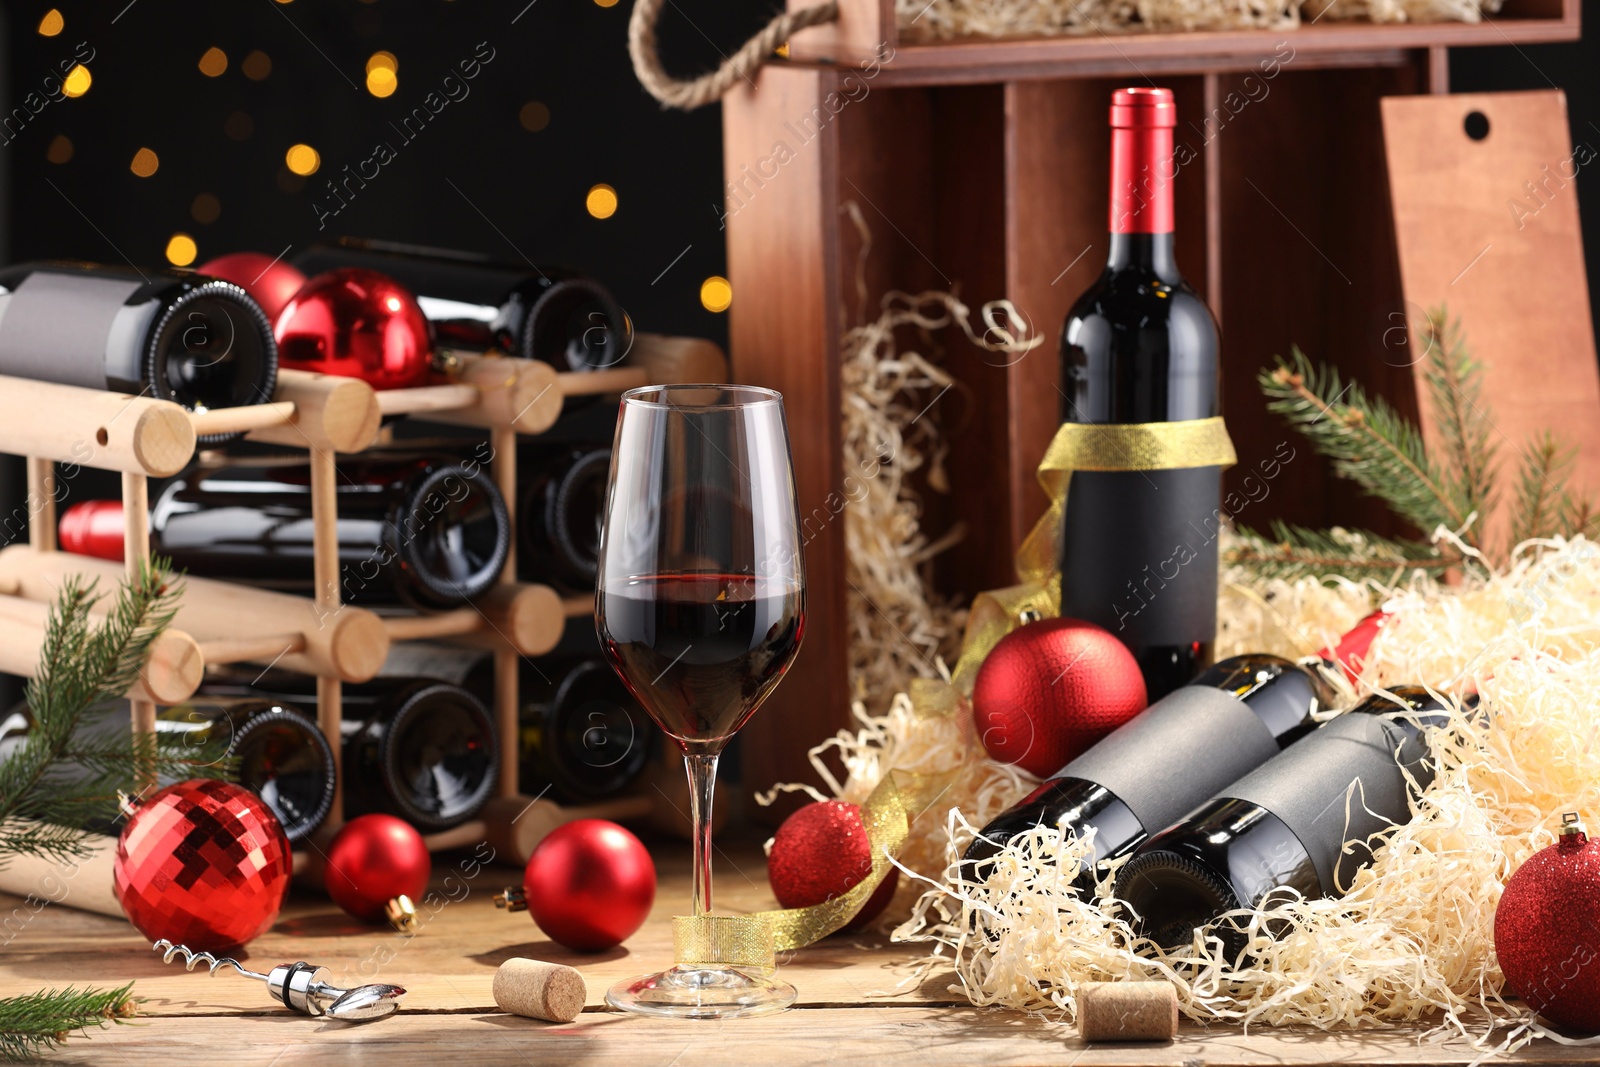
[1572, 832]
[511, 898]
[127, 804]
[402, 914]
[1029, 616]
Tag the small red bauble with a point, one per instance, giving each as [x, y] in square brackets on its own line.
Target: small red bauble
[1543, 930]
[202, 863]
[1052, 688]
[270, 282]
[357, 324]
[589, 885]
[372, 860]
[820, 852]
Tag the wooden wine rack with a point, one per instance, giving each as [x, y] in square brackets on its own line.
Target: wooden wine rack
[219, 622]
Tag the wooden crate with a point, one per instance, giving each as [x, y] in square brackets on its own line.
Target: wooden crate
[220, 623]
[984, 163]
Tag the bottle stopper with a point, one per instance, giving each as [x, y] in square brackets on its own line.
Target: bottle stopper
[1127, 1011]
[549, 991]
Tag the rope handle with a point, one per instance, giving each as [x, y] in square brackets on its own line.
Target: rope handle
[692, 93]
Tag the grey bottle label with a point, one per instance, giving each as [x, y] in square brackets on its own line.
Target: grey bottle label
[59, 328]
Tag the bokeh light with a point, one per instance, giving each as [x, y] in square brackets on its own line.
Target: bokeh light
[52, 23]
[601, 201]
[181, 250]
[257, 65]
[534, 116]
[382, 82]
[214, 62]
[715, 293]
[383, 61]
[302, 159]
[205, 209]
[60, 150]
[145, 163]
[77, 81]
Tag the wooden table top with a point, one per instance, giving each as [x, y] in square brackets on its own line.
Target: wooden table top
[861, 998]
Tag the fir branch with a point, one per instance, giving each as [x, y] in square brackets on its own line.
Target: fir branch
[1367, 440]
[1541, 506]
[44, 800]
[1455, 387]
[1295, 551]
[38, 1022]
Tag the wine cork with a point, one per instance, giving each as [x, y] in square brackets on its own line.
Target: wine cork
[1127, 1011]
[549, 991]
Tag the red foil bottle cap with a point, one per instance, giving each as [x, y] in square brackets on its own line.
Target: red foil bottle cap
[1353, 648]
[93, 528]
[1143, 108]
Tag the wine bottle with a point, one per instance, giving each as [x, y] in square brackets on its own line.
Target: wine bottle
[199, 342]
[560, 517]
[581, 735]
[1237, 715]
[425, 531]
[1139, 346]
[278, 752]
[548, 313]
[1285, 825]
[418, 748]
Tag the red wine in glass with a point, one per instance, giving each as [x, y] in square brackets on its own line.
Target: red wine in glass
[700, 651]
[700, 601]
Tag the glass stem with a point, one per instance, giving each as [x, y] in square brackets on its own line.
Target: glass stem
[702, 770]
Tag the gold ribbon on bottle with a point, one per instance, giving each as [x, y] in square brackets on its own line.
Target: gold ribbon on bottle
[751, 942]
[1080, 446]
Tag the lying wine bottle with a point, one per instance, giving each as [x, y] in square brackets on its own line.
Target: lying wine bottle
[277, 750]
[196, 341]
[1236, 716]
[560, 517]
[1139, 346]
[581, 735]
[1301, 821]
[418, 748]
[425, 531]
[553, 314]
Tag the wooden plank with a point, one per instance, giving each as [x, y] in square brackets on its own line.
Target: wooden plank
[1490, 228]
[782, 223]
[865, 28]
[1008, 59]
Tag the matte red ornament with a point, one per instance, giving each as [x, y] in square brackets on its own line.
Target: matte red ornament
[357, 324]
[1052, 688]
[589, 885]
[822, 851]
[372, 860]
[1543, 930]
[202, 863]
[92, 528]
[271, 282]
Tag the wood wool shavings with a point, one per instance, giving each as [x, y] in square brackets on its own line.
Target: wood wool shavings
[922, 21]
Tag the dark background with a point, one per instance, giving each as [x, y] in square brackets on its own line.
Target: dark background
[475, 178]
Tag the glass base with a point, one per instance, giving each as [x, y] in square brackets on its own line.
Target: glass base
[701, 993]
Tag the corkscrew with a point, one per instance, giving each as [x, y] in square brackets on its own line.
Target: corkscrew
[301, 986]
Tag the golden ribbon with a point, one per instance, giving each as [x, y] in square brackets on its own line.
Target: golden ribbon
[751, 941]
[1078, 446]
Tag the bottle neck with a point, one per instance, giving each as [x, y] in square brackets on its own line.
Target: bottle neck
[1151, 252]
[1282, 694]
[1142, 169]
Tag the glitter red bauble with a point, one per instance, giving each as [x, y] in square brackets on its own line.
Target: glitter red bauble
[1052, 688]
[357, 324]
[373, 859]
[820, 852]
[1543, 932]
[202, 863]
[589, 885]
[270, 282]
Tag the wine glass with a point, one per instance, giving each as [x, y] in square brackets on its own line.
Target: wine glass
[700, 606]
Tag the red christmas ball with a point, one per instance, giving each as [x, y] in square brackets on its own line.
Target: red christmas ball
[1542, 931]
[822, 851]
[372, 860]
[202, 863]
[92, 528]
[271, 282]
[589, 885]
[1052, 688]
[357, 324]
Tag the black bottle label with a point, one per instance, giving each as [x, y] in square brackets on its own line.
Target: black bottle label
[1139, 554]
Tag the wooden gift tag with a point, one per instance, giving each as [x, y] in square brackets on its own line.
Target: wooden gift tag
[1486, 221]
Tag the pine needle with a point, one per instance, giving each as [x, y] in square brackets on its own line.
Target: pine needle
[1296, 551]
[38, 1022]
[1455, 386]
[1541, 504]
